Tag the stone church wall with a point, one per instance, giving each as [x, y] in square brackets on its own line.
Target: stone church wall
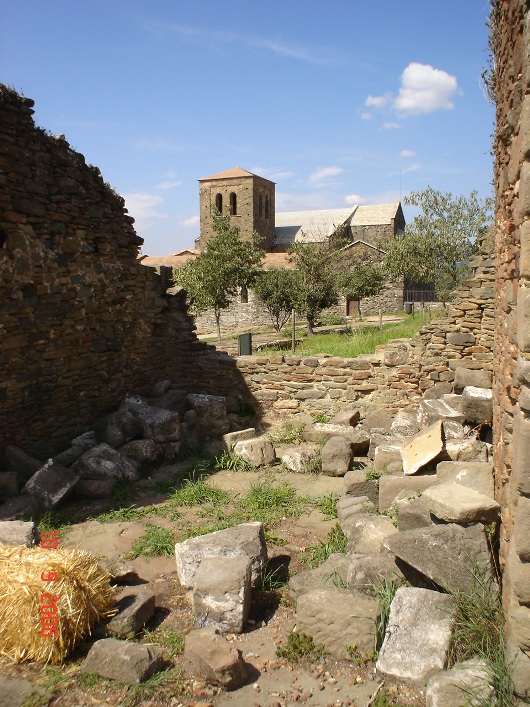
[511, 39]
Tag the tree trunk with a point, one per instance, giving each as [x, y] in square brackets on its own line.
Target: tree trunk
[310, 324]
[359, 310]
[217, 314]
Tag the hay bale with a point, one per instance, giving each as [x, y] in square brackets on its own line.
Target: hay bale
[81, 593]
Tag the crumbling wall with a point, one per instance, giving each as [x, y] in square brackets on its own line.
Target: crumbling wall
[511, 39]
[81, 320]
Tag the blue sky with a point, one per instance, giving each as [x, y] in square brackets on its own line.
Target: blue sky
[339, 102]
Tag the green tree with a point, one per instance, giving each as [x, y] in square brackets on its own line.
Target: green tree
[361, 281]
[439, 243]
[317, 271]
[277, 289]
[227, 263]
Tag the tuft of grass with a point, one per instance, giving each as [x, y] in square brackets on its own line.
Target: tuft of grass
[299, 645]
[121, 515]
[272, 579]
[335, 541]
[372, 474]
[196, 492]
[478, 631]
[168, 683]
[269, 502]
[172, 641]
[320, 417]
[290, 434]
[385, 592]
[52, 520]
[232, 462]
[336, 580]
[156, 541]
[327, 505]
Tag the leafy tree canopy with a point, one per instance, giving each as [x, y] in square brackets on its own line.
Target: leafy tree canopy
[277, 289]
[361, 281]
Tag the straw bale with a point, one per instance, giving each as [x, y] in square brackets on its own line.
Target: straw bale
[83, 597]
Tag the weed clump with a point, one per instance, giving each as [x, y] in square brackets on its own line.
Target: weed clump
[299, 645]
[335, 541]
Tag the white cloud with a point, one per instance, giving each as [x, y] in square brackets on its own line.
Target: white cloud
[378, 102]
[324, 173]
[407, 153]
[366, 116]
[272, 173]
[164, 186]
[425, 89]
[143, 207]
[191, 222]
[390, 126]
[411, 168]
[354, 199]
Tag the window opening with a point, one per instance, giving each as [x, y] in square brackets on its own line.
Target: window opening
[219, 203]
[233, 204]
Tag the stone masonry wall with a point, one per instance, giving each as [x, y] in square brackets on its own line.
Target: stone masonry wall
[511, 39]
[81, 320]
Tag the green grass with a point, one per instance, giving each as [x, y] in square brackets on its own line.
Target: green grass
[327, 505]
[269, 502]
[232, 462]
[196, 492]
[52, 520]
[363, 340]
[155, 542]
[384, 592]
[172, 641]
[299, 645]
[290, 434]
[335, 541]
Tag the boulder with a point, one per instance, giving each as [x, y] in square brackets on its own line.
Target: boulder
[442, 553]
[176, 400]
[212, 420]
[125, 661]
[366, 534]
[221, 593]
[118, 427]
[18, 532]
[346, 418]
[336, 456]
[211, 658]
[160, 425]
[422, 449]
[453, 430]
[476, 475]
[430, 411]
[416, 613]
[465, 685]
[465, 377]
[246, 539]
[356, 484]
[455, 503]
[299, 458]
[135, 608]
[396, 488]
[477, 405]
[257, 451]
[337, 618]
[145, 452]
[332, 572]
[367, 572]
[103, 461]
[52, 483]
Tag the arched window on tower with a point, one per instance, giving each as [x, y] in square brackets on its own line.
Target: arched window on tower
[267, 206]
[260, 206]
[219, 203]
[233, 204]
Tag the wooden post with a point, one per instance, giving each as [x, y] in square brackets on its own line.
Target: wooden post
[380, 318]
[293, 334]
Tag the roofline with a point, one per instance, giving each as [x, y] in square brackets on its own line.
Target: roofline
[349, 245]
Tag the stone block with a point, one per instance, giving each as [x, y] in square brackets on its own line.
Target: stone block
[299, 458]
[125, 661]
[17, 692]
[145, 452]
[477, 405]
[18, 532]
[324, 431]
[336, 618]
[331, 572]
[346, 417]
[522, 529]
[52, 483]
[521, 453]
[387, 454]
[465, 685]
[476, 475]
[366, 534]
[430, 411]
[455, 503]
[437, 391]
[412, 514]
[423, 448]
[519, 618]
[469, 449]
[103, 461]
[118, 427]
[246, 539]
[442, 553]
[257, 451]
[337, 456]
[367, 572]
[523, 319]
[517, 574]
[453, 430]
[230, 438]
[460, 338]
[211, 658]
[9, 485]
[23, 464]
[396, 488]
[356, 484]
[161, 425]
[524, 259]
[24, 507]
[135, 608]
[405, 424]
[466, 377]
[221, 593]
[377, 419]
[95, 488]
[416, 612]
[519, 663]
[69, 456]
[349, 506]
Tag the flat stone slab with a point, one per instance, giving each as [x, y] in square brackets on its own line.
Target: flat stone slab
[103, 461]
[52, 483]
[455, 503]
[430, 411]
[418, 634]
[395, 488]
[135, 608]
[442, 553]
[367, 572]
[367, 533]
[356, 484]
[18, 532]
[465, 685]
[230, 438]
[297, 457]
[14, 691]
[258, 451]
[210, 657]
[332, 572]
[336, 618]
[476, 475]
[423, 448]
[246, 539]
[124, 661]
[221, 593]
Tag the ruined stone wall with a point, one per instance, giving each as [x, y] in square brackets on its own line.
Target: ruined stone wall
[511, 39]
[81, 320]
